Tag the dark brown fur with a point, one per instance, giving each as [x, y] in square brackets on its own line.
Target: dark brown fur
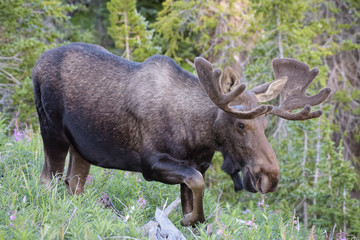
[151, 117]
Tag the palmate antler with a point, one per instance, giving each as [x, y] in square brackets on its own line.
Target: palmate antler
[210, 81]
[292, 79]
[293, 94]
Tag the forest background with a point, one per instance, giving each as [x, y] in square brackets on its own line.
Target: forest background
[319, 159]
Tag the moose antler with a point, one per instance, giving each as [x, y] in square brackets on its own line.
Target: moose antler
[293, 94]
[210, 80]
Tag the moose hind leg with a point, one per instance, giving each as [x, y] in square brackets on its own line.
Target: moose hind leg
[77, 172]
[55, 155]
[166, 169]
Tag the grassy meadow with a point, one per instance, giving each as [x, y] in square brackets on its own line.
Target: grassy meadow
[29, 211]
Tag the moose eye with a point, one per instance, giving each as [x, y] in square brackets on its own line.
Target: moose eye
[241, 125]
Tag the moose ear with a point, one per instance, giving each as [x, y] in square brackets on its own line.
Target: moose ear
[270, 90]
[230, 80]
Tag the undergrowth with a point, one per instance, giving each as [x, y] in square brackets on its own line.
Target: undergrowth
[29, 211]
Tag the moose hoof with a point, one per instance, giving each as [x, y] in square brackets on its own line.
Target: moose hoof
[190, 220]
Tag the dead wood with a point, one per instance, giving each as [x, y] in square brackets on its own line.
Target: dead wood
[162, 228]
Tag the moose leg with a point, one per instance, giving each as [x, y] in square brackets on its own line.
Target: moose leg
[77, 172]
[186, 199]
[55, 154]
[166, 169]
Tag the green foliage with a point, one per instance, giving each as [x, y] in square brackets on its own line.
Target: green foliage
[149, 8]
[222, 31]
[217, 30]
[284, 32]
[29, 211]
[129, 30]
[27, 30]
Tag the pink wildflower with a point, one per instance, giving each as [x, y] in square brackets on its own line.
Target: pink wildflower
[18, 135]
[251, 224]
[141, 202]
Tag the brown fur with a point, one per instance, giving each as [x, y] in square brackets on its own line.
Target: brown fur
[151, 117]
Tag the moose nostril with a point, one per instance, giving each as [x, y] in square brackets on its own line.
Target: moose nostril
[268, 184]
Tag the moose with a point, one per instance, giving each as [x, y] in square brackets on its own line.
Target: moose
[158, 119]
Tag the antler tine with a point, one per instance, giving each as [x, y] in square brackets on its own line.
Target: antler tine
[293, 94]
[210, 81]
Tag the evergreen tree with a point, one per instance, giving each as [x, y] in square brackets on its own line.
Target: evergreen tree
[216, 29]
[129, 30]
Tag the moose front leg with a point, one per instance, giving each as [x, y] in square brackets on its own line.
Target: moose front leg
[166, 169]
[186, 199]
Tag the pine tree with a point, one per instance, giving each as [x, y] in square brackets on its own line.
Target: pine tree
[216, 29]
[129, 30]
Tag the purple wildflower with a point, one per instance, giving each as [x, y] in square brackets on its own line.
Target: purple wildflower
[90, 179]
[12, 218]
[246, 211]
[251, 224]
[126, 174]
[261, 204]
[341, 235]
[18, 135]
[141, 202]
[110, 172]
[138, 180]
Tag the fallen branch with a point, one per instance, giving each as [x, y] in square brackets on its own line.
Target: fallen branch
[162, 227]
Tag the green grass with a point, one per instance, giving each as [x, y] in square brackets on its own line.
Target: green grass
[29, 211]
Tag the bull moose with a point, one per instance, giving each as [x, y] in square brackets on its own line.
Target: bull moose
[158, 119]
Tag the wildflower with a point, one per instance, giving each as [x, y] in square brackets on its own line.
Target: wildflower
[141, 202]
[297, 227]
[110, 172]
[90, 179]
[126, 174]
[261, 204]
[18, 135]
[12, 218]
[251, 224]
[28, 134]
[246, 211]
[341, 235]
[138, 180]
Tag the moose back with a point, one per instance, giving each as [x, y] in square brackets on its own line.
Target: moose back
[157, 119]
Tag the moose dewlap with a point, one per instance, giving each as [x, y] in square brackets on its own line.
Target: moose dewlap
[157, 119]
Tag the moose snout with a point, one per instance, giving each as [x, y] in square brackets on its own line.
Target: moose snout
[267, 184]
[268, 181]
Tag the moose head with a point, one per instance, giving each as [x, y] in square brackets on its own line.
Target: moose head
[244, 145]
